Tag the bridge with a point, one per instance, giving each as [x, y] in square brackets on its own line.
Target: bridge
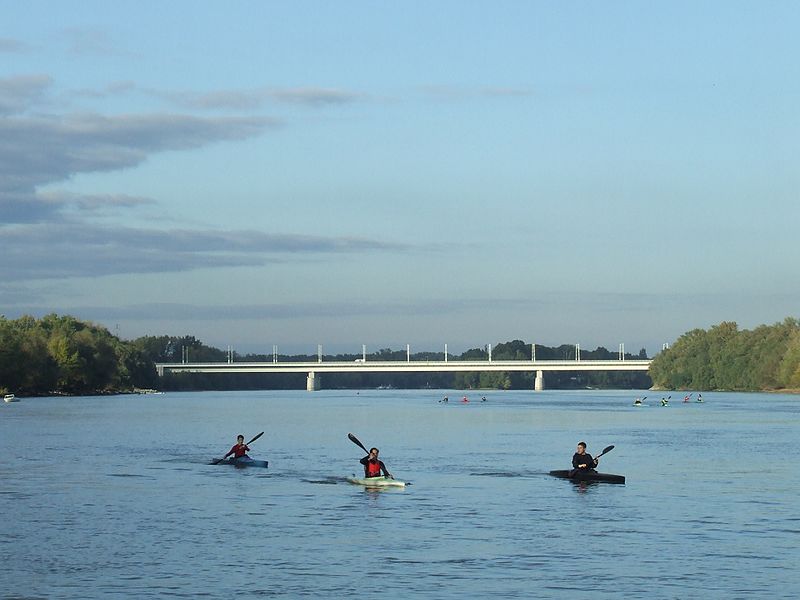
[314, 369]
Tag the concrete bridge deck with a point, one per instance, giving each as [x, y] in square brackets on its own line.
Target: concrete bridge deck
[364, 366]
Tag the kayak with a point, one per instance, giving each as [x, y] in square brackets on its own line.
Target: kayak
[376, 481]
[591, 476]
[244, 461]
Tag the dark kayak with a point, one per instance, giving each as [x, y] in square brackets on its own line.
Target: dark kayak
[590, 476]
[244, 461]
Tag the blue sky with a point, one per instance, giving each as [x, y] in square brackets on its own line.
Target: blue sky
[303, 173]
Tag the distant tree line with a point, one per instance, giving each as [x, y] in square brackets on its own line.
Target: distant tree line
[726, 358]
[62, 355]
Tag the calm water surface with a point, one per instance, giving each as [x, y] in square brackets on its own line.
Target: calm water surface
[114, 497]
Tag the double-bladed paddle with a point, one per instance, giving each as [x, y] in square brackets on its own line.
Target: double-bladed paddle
[216, 461]
[605, 450]
[354, 439]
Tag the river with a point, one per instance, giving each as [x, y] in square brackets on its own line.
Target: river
[108, 497]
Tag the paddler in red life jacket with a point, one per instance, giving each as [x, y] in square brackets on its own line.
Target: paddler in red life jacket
[373, 467]
[239, 449]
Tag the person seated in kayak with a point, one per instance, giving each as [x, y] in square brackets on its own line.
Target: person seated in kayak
[373, 466]
[239, 449]
[582, 461]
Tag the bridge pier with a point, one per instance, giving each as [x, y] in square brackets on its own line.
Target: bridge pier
[312, 382]
[538, 385]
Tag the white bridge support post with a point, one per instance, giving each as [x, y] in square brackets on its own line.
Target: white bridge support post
[538, 385]
[312, 382]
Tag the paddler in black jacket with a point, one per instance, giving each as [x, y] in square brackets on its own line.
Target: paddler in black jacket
[582, 461]
[373, 467]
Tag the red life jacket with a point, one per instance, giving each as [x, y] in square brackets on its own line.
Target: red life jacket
[373, 468]
[239, 450]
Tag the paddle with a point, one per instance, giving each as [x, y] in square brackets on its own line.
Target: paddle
[606, 449]
[216, 461]
[355, 440]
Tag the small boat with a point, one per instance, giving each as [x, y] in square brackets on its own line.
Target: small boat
[591, 476]
[376, 482]
[243, 461]
[10, 398]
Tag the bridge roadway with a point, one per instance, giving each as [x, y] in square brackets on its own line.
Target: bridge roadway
[359, 366]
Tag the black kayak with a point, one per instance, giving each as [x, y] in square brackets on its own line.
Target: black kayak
[591, 476]
[244, 461]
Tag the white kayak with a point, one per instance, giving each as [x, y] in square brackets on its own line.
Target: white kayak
[376, 481]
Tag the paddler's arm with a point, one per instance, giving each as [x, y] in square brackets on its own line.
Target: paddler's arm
[385, 471]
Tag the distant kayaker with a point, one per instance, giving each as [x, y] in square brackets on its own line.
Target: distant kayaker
[373, 466]
[582, 461]
[239, 449]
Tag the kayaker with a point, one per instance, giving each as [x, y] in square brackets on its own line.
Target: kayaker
[582, 461]
[239, 449]
[373, 466]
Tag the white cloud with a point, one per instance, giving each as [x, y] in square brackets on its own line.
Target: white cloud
[457, 93]
[66, 250]
[19, 93]
[36, 151]
[12, 46]
[257, 98]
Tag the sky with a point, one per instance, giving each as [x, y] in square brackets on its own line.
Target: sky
[388, 173]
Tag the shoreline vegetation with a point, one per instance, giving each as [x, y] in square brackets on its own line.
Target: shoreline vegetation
[61, 355]
[765, 359]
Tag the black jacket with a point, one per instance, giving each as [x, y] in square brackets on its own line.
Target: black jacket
[583, 459]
